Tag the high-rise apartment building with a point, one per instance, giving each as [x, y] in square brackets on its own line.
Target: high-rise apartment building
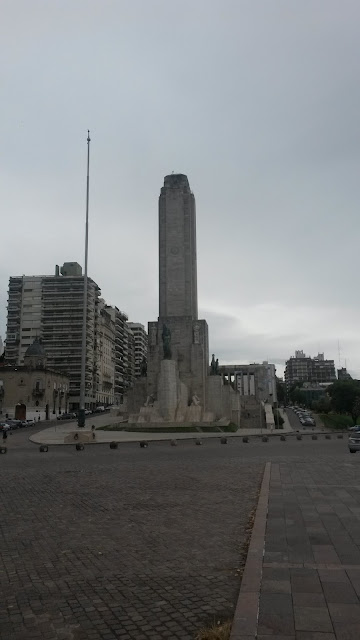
[105, 391]
[140, 337]
[130, 358]
[119, 319]
[301, 368]
[23, 316]
[51, 307]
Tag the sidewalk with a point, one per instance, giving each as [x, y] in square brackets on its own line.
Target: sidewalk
[309, 586]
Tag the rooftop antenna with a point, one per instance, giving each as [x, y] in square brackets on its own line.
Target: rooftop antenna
[339, 354]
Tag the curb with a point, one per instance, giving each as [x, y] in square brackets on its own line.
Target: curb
[170, 436]
[244, 626]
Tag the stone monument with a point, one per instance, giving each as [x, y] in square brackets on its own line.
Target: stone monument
[177, 377]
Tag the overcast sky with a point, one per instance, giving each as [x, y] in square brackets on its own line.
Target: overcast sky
[257, 101]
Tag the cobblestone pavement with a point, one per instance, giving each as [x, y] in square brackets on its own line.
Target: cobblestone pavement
[129, 543]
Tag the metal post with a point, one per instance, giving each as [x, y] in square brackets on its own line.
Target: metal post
[81, 414]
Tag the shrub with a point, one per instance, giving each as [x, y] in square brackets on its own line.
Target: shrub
[279, 420]
[336, 420]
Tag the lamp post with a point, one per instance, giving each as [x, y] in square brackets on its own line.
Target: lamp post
[81, 414]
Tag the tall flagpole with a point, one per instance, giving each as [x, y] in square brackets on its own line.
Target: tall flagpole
[81, 414]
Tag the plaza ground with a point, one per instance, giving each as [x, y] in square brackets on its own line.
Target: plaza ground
[145, 543]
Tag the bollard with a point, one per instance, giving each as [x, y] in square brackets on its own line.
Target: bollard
[314, 437]
[113, 445]
[299, 436]
[173, 443]
[44, 448]
[265, 439]
[223, 440]
[282, 438]
[245, 439]
[198, 441]
[79, 446]
[144, 444]
[3, 449]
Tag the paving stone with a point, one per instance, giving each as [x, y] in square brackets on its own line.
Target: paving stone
[305, 583]
[333, 575]
[314, 635]
[312, 619]
[276, 614]
[340, 592]
[345, 613]
[308, 600]
[276, 586]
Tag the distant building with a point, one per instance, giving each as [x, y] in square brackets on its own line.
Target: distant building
[119, 318]
[343, 374]
[130, 358]
[257, 380]
[301, 368]
[105, 374]
[33, 390]
[140, 337]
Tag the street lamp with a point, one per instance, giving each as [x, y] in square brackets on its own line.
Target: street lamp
[81, 414]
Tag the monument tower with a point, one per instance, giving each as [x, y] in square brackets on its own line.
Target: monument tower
[177, 249]
[178, 309]
[178, 387]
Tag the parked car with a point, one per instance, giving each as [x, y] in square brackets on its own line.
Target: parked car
[14, 424]
[30, 422]
[88, 412]
[354, 442]
[356, 427]
[4, 426]
[99, 409]
[66, 416]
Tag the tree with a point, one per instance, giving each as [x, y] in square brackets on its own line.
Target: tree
[356, 409]
[343, 394]
[280, 391]
[322, 405]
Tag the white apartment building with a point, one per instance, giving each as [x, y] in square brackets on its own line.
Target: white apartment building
[141, 341]
[51, 307]
[119, 319]
[105, 394]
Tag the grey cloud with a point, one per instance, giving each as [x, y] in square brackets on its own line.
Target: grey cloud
[256, 102]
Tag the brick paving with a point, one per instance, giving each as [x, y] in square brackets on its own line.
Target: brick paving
[311, 572]
[129, 543]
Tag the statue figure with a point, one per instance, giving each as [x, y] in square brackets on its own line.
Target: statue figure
[149, 401]
[213, 366]
[217, 370]
[143, 370]
[195, 401]
[166, 338]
